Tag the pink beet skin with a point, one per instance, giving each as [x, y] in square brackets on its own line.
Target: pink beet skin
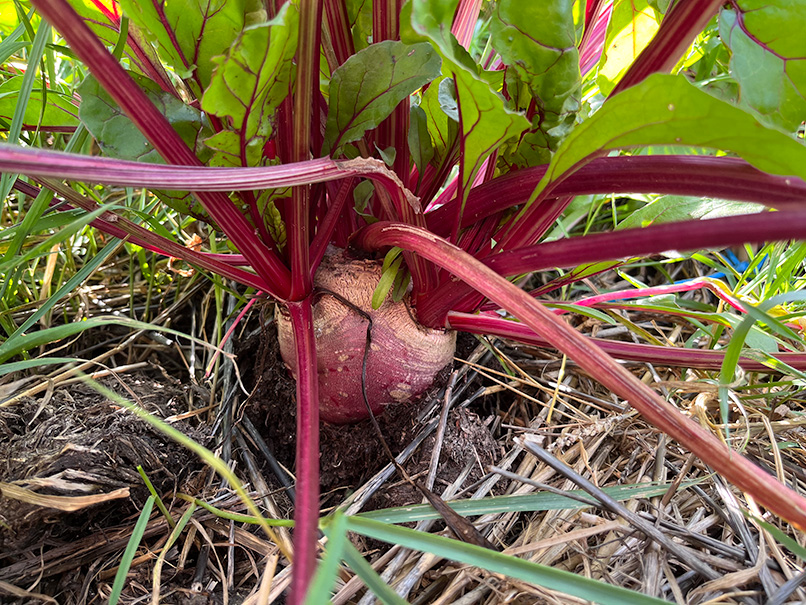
[404, 357]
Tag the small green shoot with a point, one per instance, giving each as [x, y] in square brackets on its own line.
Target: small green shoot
[131, 549]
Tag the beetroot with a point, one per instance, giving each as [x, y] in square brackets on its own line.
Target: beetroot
[404, 356]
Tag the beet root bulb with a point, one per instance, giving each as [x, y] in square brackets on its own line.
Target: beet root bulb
[404, 356]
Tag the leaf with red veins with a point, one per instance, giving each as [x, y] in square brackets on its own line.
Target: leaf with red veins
[367, 87]
[485, 123]
[59, 114]
[249, 83]
[768, 57]
[441, 128]
[538, 42]
[189, 34]
[103, 18]
[119, 138]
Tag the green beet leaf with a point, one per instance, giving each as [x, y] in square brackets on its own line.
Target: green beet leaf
[60, 109]
[676, 208]
[249, 83]
[538, 41]
[189, 33]
[668, 110]
[370, 84]
[768, 58]
[116, 134]
[420, 145]
[103, 23]
[230, 149]
[119, 138]
[441, 128]
[359, 13]
[485, 122]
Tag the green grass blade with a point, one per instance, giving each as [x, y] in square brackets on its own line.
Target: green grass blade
[19, 366]
[796, 549]
[177, 531]
[35, 56]
[541, 501]
[734, 349]
[239, 518]
[373, 581]
[496, 562]
[153, 491]
[43, 248]
[42, 200]
[208, 457]
[71, 284]
[10, 45]
[26, 342]
[325, 577]
[131, 548]
[48, 222]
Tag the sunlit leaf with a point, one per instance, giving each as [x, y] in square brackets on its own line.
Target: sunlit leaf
[669, 110]
[248, 84]
[188, 33]
[633, 24]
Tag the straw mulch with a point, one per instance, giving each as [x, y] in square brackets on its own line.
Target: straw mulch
[59, 439]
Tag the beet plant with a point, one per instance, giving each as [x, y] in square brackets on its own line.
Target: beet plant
[402, 164]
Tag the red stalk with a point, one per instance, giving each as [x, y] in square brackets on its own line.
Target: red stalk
[385, 19]
[727, 178]
[700, 176]
[108, 171]
[677, 31]
[736, 468]
[704, 359]
[324, 232]
[684, 235]
[298, 228]
[123, 228]
[306, 510]
[597, 17]
[144, 62]
[299, 217]
[464, 22]
[339, 27]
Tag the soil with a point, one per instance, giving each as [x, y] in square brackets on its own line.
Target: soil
[79, 443]
[75, 442]
[351, 454]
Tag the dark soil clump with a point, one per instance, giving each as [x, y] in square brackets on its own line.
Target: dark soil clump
[78, 443]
